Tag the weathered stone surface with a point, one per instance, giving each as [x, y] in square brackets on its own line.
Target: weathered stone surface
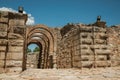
[88, 45]
[19, 30]
[3, 27]
[87, 63]
[103, 63]
[16, 55]
[1, 63]
[2, 55]
[73, 46]
[3, 42]
[63, 74]
[15, 48]
[11, 40]
[32, 60]
[3, 14]
[2, 48]
[14, 36]
[3, 34]
[87, 57]
[16, 42]
[13, 63]
[102, 52]
[4, 20]
[16, 22]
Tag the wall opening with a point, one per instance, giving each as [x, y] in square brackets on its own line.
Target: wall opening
[34, 55]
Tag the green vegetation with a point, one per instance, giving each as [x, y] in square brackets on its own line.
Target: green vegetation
[29, 50]
[37, 49]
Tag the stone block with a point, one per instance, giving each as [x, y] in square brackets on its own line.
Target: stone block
[102, 52]
[2, 70]
[103, 63]
[15, 36]
[3, 42]
[3, 34]
[86, 52]
[2, 48]
[84, 35]
[17, 56]
[9, 56]
[87, 57]
[19, 30]
[86, 29]
[15, 48]
[16, 22]
[103, 36]
[16, 42]
[14, 56]
[13, 63]
[4, 14]
[99, 29]
[68, 65]
[99, 41]
[76, 58]
[77, 64]
[99, 46]
[1, 63]
[101, 57]
[84, 46]
[77, 52]
[87, 63]
[115, 63]
[87, 41]
[2, 55]
[4, 20]
[3, 27]
[14, 69]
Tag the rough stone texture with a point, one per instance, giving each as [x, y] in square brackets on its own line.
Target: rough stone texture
[72, 46]
[32, 60]
[114, 43]
[112, 73]
[11, 40]
[83, 46]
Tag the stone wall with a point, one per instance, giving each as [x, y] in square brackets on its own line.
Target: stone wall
[32, 60]
[12, 26]
[83, 46]
[114, 43]
[75, 45]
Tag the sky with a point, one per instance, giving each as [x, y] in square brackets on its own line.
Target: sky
[57, 13]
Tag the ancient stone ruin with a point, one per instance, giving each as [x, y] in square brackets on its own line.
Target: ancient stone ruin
[72, 46]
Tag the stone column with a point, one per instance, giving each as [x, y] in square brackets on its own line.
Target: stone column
[54, 61]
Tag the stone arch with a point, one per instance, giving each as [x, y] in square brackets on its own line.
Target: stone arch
[39, 28]
[47, 42]
[46, 36]
[45, 52]
[41, 52]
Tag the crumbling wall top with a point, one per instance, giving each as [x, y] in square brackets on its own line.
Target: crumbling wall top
[12, 15]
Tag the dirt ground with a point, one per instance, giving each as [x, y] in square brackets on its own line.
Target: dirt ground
[112, 73]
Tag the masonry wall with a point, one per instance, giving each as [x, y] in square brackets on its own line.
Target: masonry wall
[83, 46]
[78, 45]
[114, 43]
[12, 26]
[32, 60]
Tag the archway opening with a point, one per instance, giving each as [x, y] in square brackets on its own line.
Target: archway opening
[43, 37]
[34, 55]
